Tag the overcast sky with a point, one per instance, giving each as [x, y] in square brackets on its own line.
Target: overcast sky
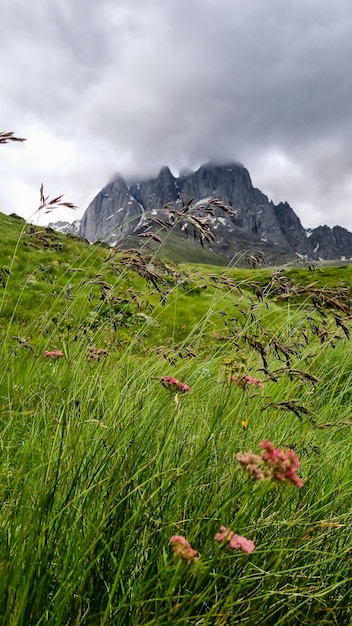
[100, 86]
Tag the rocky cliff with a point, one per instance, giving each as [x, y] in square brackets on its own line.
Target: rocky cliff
[121, 207]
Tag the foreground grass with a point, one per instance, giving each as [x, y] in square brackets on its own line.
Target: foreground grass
[101, 465]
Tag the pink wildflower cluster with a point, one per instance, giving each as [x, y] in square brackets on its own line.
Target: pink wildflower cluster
[251, 463]
[174, 385]
[243, 381]
[182, 549]
[234, 542]
[53, 354]
[272, 464]
[282, 464]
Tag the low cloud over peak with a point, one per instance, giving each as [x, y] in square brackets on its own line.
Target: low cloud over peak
[106, 87]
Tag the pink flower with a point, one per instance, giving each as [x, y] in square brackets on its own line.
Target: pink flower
[281, 465]
[250, 463]
[247, 380]
[272, 464]
[182, 549]
[175, 385]
[234, 542]
[225, 534]
[53, 354]
[241, 543]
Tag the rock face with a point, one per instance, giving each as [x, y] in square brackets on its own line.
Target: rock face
[331, 243]
[291, 228]
[113, 214]
[122, 206]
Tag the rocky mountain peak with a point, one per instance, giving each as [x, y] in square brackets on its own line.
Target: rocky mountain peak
[165, 173]
[230, 182]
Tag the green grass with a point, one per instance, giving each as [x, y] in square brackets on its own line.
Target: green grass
[100, 466]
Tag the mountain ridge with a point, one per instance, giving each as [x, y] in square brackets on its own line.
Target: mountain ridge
[121, 207]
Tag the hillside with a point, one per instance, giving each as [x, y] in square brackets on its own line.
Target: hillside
[175, 439]
[43, 271]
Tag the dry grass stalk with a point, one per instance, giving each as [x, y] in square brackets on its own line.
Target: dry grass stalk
[50, 205]
[6, 137]
[290, 405]
[189, 216]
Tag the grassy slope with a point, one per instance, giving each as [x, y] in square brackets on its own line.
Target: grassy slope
[99, 466]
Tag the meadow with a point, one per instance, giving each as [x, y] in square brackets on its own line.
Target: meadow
[175, 439]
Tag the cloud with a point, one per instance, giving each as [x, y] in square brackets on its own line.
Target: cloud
[129, 87]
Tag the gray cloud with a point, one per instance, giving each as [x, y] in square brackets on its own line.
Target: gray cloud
[128, 86]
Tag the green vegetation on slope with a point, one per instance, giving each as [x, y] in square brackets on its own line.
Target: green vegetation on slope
[102, 461]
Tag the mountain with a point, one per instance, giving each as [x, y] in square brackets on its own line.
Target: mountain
[122, 207]
[66, 227]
